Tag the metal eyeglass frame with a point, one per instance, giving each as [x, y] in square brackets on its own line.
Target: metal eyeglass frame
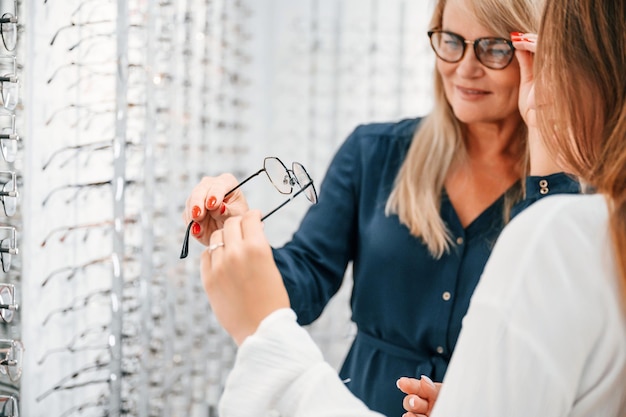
[8, 304]
[8, 247]
[9, 193]
[290, 180]
[11, 358]
[9, 139]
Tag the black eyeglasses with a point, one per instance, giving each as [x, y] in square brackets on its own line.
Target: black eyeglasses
[9, 84]
[8, 247]
[494, 53]
[9, 139]
[8, 305]
[8, 29]
[9, 193]
[283, 179]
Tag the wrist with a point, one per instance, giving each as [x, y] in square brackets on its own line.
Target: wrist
[542, 163]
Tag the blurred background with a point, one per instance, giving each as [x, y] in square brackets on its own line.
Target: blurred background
[112, 111]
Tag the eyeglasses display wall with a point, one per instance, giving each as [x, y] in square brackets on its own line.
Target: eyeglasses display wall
[11, 180]
[112, 111]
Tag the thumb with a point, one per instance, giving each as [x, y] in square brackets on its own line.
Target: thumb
[421, 394]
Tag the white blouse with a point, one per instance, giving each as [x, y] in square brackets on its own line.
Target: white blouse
[545, 334]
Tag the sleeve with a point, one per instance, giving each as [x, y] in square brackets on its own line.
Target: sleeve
[531, 324]
[314, 262]
[279, 371]
[538, 187]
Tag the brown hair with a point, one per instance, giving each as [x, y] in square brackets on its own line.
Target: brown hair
[580, 64]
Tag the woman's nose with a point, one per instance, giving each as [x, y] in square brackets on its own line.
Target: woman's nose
[469, 65]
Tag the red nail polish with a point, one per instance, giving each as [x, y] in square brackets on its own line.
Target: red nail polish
[223, 209]
[196, 229]
[195, 212]
[212, 202]
[517, 34]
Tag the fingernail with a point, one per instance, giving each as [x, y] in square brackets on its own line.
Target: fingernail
[195, 212]
[517, 34]
[412, 402]
[212, 202]
[223, 209]
[196, 229]
[427, 380]
[398, 383]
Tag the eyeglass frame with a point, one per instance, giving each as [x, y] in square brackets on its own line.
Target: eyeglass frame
[11, 79]
[11, 305]
[475, 43]
[10, 193]
[14, 404]
[11, 250]
[9, 18]
[293, 180]
[6, 362]
[8, 133]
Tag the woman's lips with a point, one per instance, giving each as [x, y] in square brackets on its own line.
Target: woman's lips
[471, 93]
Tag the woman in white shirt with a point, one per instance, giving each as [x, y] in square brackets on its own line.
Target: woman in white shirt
[549, 314]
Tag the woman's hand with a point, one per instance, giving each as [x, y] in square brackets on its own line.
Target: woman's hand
[208, 208]
[525, 45]
[541, 162]
[421, 395]
[240, 277]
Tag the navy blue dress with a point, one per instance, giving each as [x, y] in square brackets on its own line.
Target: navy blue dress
[407, 306]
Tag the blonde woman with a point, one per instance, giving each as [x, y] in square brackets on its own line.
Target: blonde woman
[416, 205]
[545, 334]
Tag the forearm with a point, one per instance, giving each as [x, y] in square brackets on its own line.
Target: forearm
[280, 369]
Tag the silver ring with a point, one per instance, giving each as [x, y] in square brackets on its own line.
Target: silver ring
[214, 246]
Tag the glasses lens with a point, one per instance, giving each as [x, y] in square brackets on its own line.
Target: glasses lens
[9, 95]
[10, 203]
[6, 299]
[304, 180]
[278, 175]
[9, 31]
[8, 146]
[5, 255]
[494, 53]
[448, 46]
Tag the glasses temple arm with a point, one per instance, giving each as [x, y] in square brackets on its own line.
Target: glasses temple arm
[185, 250]
[244, 181]
[287, 201]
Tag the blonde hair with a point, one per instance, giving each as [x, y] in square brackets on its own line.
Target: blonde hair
[580, 66]
[438, 141]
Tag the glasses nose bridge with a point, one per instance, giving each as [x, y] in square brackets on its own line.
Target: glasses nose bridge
[472, 45]
[291, 178]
